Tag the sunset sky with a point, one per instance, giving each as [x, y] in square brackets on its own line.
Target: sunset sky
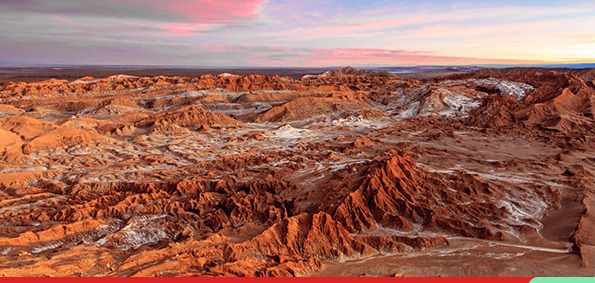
[296, 33]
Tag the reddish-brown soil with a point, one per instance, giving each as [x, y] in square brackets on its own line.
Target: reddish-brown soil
[348, 173]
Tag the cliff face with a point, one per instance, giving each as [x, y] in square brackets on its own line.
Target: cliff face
[271, 176]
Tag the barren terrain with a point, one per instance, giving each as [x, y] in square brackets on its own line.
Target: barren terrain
[343, 173]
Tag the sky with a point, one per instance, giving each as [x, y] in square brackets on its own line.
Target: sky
[301, 33]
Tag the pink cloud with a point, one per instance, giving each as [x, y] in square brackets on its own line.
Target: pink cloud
[207, 11]
[215, 48]
[215, 11]
[286, 56]
[196, 16]
[366, 56]
[195, 11]
[180, 29]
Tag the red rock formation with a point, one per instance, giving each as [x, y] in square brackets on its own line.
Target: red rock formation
[561, 101]
[350, 71]
[309, 107]
[189, 116]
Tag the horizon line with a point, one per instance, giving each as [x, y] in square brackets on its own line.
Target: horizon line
[124, 66]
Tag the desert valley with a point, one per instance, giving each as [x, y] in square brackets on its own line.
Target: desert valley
[347, 172]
